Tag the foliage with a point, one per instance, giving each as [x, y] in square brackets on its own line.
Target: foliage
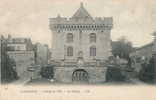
[122, 48]
[8, 71]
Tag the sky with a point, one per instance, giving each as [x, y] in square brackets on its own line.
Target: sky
[134, 19]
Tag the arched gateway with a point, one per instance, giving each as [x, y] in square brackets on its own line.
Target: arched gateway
[80, 76]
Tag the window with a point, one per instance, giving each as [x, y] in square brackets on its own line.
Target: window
[92, 37]
[69, 51]
[93, 51]
[18, 47]
[69, 37]
[11, 48]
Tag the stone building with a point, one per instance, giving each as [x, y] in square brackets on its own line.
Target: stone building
[21, 51]
[80, 46]
[140, 54]
[42, 54]
[143, 53]
[146, 51]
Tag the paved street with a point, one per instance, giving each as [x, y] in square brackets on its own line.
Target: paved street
[138, 82]
[24, 78]
[40, 81]
[131, 81]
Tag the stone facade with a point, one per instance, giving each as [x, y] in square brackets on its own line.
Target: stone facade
[19, 44]
[79, 40]
[42, 54]
[21, 51]
[64, 74]
[23, 59]
[145, 51]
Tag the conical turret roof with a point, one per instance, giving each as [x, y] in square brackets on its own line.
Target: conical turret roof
[81, 13]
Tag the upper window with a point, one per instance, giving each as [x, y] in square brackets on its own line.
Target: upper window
[92, 51]
[70, 51]
[69, 37]
[92, 37]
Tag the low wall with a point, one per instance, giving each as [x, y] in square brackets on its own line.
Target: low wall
[23, 60]
[64, 74]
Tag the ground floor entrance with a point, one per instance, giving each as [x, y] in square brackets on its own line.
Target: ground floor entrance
[80, 76]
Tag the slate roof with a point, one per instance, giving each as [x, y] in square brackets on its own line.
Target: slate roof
[82, 13]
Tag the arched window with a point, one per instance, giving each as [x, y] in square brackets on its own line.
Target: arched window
[70, 51]
[92, 51]
[92, 37]
[69, 37]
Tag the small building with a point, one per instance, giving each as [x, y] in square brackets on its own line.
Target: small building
[142, 54]
[21, 51]
[145, 51]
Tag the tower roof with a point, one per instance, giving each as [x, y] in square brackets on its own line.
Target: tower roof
[81, 13]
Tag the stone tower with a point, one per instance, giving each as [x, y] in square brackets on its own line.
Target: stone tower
[80, 46]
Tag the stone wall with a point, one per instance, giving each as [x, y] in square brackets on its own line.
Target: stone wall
[103, 44]
[81, 29]
[23, 60]
[64, 74]
[42, 52]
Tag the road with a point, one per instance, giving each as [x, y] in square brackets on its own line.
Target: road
[39, 81]
[24, 78]
[132, 81]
